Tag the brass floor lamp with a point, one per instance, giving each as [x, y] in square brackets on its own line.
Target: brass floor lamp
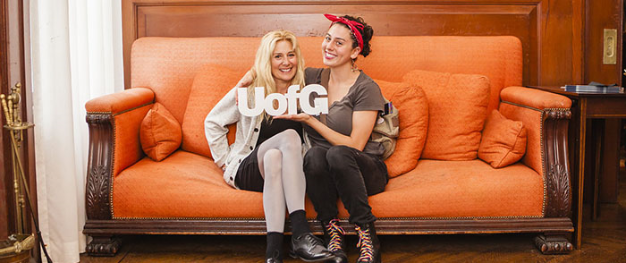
[17, 248]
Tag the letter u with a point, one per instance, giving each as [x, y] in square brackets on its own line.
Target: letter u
[259, 97]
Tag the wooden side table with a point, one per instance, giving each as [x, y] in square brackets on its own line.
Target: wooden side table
[587, 106]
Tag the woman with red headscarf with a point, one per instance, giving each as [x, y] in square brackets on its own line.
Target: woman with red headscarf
[343, 162]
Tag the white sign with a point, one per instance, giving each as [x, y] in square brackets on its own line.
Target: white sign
[285, 102]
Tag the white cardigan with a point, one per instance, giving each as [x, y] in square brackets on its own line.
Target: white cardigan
[224, 113]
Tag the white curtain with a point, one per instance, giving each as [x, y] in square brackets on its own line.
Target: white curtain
[76, 53]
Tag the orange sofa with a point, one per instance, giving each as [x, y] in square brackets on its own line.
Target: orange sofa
[433, 190]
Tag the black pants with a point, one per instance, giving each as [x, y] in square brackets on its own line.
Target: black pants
[345, 172]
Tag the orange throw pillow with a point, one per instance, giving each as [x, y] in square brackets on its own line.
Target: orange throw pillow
[457, 108]
[503, 142]
[160, 134]
[209, 86]
[412, 106]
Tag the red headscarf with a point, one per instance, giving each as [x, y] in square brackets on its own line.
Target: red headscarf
[351, 24]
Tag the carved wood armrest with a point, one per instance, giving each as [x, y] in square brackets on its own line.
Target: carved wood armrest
[111, 149]
[556, 164]
[546, 115]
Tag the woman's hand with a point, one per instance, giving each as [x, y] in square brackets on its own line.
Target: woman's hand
[246, 80]
[301, 117]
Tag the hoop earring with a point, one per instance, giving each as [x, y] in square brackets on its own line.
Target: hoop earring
[354, 66]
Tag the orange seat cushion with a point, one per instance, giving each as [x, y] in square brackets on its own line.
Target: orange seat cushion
[457, 108]
[209, 86]
[160, 133]
[187, 185]
[461, 189]
[412, 106]
[503, 141]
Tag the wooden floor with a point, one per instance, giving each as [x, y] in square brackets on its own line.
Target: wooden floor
[604, 240]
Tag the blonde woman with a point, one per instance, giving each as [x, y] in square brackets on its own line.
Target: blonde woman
[267, 153]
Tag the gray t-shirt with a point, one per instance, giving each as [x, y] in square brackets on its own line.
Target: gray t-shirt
[364, 95]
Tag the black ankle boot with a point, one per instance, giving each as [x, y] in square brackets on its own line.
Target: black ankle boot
[368, 245]
[333, 238]
[309, 248]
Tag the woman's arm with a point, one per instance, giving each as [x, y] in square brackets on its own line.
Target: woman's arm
[224, 113]
[362, 126]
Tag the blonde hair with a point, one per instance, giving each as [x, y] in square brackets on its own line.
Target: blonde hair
[262, 69]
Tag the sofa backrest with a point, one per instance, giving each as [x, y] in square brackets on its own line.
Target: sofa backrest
[168, 65]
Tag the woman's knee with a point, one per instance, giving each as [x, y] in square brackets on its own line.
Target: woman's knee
[339, 155]
[290, 139]
[315, 160]
[272, 164]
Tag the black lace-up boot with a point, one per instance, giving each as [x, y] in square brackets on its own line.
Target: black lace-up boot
[333, 238]
[368, 245]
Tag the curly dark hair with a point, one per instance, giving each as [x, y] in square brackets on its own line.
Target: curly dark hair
[366, 33]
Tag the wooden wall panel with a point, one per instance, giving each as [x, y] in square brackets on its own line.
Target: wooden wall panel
[12, 71]
[549, 30]
[6, 199]
[606, 14]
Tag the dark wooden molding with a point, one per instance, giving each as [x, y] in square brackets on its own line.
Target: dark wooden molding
[98, 192]
[555, 154]
[384, 226]
[105, 232]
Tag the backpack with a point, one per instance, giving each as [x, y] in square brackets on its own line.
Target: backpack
[387, 128]
[387, 125]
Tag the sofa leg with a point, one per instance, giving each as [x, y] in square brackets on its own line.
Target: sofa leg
[550, 244]
[104, 246]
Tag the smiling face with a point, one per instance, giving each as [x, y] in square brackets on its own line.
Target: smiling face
[284, 63]
[337, 46]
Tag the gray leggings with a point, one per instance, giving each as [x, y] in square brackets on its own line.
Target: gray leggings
[279, 163]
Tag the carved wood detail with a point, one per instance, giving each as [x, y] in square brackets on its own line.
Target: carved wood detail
[559, 199]
[553, 244]
[100, 166]
[559, 184]
[103, 246]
